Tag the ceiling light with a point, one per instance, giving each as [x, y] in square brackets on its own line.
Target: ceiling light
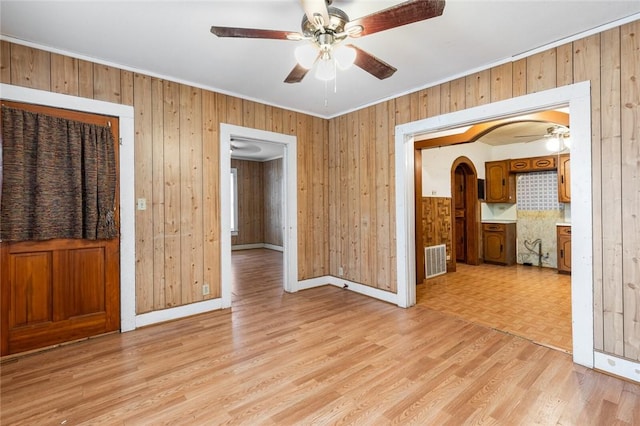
[306, 55]
[326, 69]
[344, 56]
[554, 144]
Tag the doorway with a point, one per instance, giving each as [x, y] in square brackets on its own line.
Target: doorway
[128, 318]
[464, 211]
[228, 133]
[59, 290]
[578, 98]
[501, 142]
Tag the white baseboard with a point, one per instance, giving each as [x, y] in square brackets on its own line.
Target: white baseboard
[256, 246]
[247, 246]
[617, 366]
[178, 312]
[385, 296]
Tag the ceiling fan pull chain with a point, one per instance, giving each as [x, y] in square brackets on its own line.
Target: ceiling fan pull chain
[326, 97]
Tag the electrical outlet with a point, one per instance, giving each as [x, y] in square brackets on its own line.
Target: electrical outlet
[448, 257]
[142, 203]
[340, 271]
[205, 289]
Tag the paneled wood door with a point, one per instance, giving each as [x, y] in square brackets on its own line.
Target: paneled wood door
[59, 290]
[460, 212]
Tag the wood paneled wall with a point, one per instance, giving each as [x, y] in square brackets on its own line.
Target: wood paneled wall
[251, 202]
[436, 225]
[361, 196]
[177, 169]
[259, 202]
[361, 206]
[273, 184]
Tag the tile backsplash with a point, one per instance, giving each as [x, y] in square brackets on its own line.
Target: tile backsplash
[537, 191]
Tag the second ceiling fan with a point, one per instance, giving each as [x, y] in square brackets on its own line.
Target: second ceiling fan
[326, 28]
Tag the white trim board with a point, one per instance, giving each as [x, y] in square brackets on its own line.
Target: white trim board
[125, 115]
[578, 98]
[238, 247]
[618, 366]
[375, 293]
[183, 311]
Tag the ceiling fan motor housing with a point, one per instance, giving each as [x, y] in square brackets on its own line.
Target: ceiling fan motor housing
[337, 21]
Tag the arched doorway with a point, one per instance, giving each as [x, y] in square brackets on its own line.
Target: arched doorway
[464, 212]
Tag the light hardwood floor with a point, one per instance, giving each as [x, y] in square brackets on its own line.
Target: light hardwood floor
[530, 302]
[321, 356]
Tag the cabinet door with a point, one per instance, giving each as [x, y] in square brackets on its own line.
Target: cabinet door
[543, 163]
[499, 182]
[564, 249]
[519, 165]
[564, 179]
[494, 243]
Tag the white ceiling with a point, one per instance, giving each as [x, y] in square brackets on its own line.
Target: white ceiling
[171, 39]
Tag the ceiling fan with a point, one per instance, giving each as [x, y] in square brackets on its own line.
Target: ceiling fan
[557, 136]
[325, 28]
[553, 131]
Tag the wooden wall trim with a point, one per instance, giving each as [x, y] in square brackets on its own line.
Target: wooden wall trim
[476, 131]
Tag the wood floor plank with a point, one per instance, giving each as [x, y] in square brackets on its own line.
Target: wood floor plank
[320, 356]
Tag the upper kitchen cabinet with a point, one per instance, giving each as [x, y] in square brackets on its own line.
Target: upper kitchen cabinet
[533, 164]
[564, 178]
[500, 183]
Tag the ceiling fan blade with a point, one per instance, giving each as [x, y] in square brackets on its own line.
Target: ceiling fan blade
[316, 7]
[254, 33]
[297, 74]
[396, 16]
[374, 66]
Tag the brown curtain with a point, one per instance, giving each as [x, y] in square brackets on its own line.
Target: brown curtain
[59, 178]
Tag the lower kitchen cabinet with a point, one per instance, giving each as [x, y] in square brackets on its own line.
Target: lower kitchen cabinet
[499, 243]
[564, 249]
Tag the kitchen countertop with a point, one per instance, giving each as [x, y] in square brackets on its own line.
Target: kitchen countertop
[498, 221]
[563, 224]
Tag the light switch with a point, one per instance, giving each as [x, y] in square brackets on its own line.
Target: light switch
[142, 203]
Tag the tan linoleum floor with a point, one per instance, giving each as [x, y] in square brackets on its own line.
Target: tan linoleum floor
[527, 301]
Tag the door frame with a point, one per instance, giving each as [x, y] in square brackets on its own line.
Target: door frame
[125, 115]
[289, 210]
[578, 98]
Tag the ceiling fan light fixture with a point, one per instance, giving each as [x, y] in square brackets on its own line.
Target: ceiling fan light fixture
[554, 144]
[306, 55]
[326, 70]
[344, 56]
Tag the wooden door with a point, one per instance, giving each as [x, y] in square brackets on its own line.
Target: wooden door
[59, 290]
[460, 213]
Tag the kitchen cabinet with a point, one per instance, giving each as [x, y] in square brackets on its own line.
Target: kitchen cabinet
[532, 164]
[499, 243]
[500, 183]
[564, 249]
[564, 178]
